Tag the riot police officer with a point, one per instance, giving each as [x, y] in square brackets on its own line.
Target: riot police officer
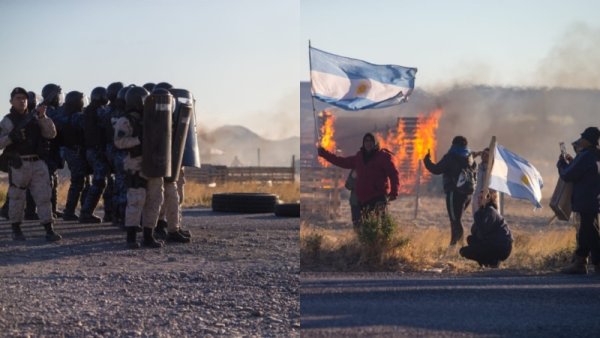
[95, 152]
[52, 99]
[30, 213]
[144, 194]
[115, 155]
[70, 130]
[22, 135]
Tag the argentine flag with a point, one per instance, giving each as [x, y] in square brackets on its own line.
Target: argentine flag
[516, 177]
[353, 84]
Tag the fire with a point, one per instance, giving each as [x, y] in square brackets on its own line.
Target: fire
[409, 141]
[327, 132]
[409, 144]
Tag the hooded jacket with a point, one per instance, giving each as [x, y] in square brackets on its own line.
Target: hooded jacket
[450, 166]
[490, 228]
[376, 174]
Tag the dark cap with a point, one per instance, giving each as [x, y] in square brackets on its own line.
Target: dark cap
[591, 134]
[18, 90]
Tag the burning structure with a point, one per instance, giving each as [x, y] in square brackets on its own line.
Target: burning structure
[409, 140]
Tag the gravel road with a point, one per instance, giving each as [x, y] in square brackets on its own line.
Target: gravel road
[239, 276]
[487, 303]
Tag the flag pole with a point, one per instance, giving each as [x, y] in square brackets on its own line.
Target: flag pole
[317, 136]
[490, 164]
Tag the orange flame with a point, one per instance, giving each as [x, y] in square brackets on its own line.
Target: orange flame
[409, 142]
[409, 145]
[327, 132]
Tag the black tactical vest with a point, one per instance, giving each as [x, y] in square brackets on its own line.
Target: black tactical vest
[33, 136]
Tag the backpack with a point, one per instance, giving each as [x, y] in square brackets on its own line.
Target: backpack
[467, 180]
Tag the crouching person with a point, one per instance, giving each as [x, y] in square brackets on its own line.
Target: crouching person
[23, 136]
[490, 241]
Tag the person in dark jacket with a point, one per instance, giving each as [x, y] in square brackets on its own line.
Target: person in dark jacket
[377, 180]
[450, 166]
[583, 173]
[490, 241]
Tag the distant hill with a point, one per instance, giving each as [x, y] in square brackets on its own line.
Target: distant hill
[223, 145]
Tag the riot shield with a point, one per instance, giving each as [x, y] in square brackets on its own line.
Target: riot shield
[191, 153]
[156, 144]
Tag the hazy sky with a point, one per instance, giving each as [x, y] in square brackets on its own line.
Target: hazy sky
[240, 58]
[509, 43]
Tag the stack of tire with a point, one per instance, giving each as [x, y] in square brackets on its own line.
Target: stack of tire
[253, 203]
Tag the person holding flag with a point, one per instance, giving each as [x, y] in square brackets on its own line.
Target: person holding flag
[583, 172]
[377, 179]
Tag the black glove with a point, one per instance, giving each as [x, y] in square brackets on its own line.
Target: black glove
[321, 151]
[17, 135]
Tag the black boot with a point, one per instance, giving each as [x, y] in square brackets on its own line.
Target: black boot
[131, 241]
[51, 235]
[86, 215]
[185, 232]
[17, 232]
[160, 231]
[149, 240]
[177, 237]
[89, 218]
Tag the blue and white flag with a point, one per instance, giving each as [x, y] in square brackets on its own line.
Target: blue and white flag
[353, 84]
[516, 177]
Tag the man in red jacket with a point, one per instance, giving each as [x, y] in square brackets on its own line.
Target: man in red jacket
[377, 180]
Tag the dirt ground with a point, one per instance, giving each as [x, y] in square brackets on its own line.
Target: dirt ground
[238, 276]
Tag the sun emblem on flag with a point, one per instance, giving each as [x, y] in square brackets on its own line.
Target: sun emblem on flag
[363, 87]
[525, 180]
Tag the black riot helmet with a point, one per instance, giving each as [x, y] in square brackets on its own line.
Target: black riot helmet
[112, 90]
[164, 85]
[149, 86]
[134, 99]
[99, 96]
[120, 99]
[74, 102]
[52, 94]
[31, 100]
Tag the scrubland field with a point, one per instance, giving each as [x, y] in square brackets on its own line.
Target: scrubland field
[421, 244]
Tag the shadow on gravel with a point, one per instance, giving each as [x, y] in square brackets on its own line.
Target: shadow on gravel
[210, 213]
[78, 240]
[530, 306]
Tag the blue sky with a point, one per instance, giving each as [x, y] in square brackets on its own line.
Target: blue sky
[508, 43]
[239, 58]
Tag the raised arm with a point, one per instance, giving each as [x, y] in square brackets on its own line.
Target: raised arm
[342, 162]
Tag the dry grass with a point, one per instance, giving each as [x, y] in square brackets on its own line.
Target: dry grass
[422, 244]
[197, 194]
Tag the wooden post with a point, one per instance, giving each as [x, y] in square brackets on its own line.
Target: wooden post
[417, 189]
[486, 180]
